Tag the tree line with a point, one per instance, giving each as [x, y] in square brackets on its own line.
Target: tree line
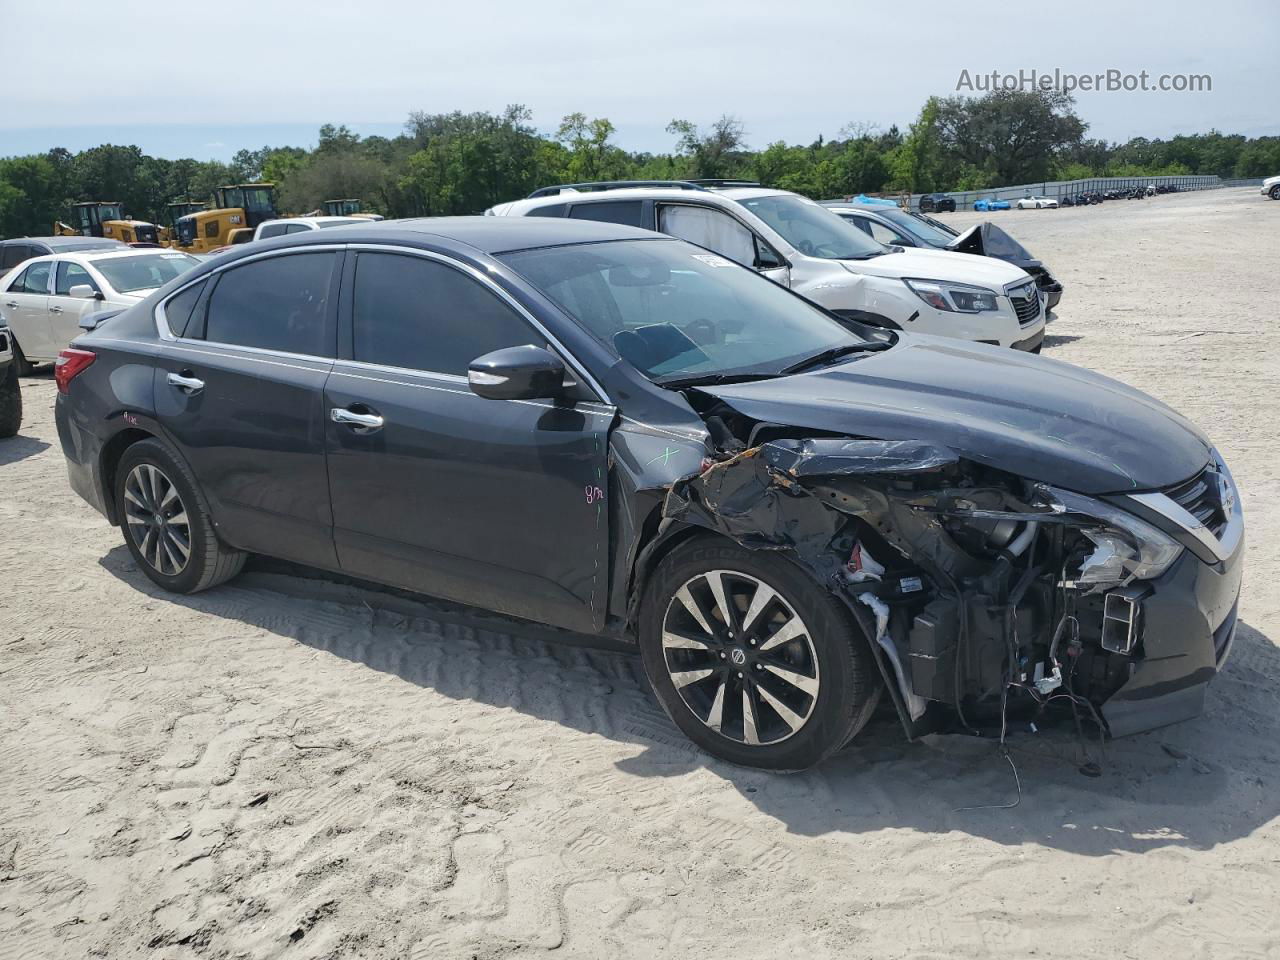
[456, 163]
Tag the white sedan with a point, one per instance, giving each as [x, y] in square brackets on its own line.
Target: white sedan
[1037, 203]
[42, 301]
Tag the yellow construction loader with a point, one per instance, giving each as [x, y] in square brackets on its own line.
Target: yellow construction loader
[95, 218]
[237, 210]
[173, 212]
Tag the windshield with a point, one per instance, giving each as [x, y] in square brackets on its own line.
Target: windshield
[813, 229]
[674, 310]
[109, 211]
[144, 272]
[916, 226]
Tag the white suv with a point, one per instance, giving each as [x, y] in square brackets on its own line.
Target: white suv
[806, 247]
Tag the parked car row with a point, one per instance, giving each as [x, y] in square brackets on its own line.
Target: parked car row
[898, 227]
[789, 508]
[802, 245]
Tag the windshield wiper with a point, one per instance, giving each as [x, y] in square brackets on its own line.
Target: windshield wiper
[869, 256]
[832, 355]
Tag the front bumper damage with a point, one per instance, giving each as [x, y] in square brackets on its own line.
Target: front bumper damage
[968, 582]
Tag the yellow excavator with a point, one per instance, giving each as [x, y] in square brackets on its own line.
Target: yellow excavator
[95, 218]
[173, 213]
[237, 210]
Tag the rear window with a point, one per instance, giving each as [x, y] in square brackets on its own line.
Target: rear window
[277, 304]
[145, 272]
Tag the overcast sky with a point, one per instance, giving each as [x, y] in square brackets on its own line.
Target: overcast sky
[203, 80]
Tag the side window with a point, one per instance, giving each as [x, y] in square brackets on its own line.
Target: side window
[553, 210]
[14, 254]
[35, 279]
[273, 230]
[296, 228]
[178, 308]
[862, 223]
[626, 212]
[72, 275]
[281, 303]
[711, 229]
[883, 234]
[424, 315]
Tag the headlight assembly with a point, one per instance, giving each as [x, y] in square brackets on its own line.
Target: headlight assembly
[953, 297]
[1125, 547]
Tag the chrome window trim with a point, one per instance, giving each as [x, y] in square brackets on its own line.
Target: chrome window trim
[491, 285]
[167, 335]
[1221, 548]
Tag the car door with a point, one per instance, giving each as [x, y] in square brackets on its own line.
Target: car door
[239, 389]
[66, 311]
[496, 503]
[726, 235]
[25, 305]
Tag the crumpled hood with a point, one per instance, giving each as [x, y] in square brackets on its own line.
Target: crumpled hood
[986, 239]
[926, 264]
[1031, 416]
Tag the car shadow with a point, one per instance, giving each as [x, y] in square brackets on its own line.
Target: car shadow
[1194, 785]
[20, 448]
[1058, 339]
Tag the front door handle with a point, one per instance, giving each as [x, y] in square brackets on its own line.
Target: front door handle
[361, 421]
[55, 309]
[186, 383]
[12, 303]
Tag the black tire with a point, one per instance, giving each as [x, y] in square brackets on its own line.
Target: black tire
[22, 366]
[10, 401]
[1275, 192]
[830, 654]
[209, 562]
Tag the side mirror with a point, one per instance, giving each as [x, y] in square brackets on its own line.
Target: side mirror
[83, 291]
[517, 373]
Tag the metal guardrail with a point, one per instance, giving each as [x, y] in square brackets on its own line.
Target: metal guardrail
[1057, 189]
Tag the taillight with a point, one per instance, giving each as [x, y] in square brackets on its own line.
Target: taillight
[69, 365]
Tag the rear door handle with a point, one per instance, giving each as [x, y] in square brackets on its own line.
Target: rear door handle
[11, 303]
[361, 421]
[187, 384]
[55, 309]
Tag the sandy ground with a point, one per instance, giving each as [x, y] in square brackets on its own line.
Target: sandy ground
[286, 768]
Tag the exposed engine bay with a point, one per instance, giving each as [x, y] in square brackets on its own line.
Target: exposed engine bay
[986, 595]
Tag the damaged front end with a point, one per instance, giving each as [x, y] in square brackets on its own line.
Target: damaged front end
[986, 595]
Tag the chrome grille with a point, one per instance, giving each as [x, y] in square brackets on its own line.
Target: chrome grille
[1026, 303]
[1200, 497]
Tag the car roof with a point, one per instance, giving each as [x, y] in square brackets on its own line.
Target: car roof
[489, 235]
[708, 195]
[68, 243]
[312, 220]
[95, 256]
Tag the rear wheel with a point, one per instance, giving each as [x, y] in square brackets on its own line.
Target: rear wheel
[166, 521]
[10, 401]
[755, 662]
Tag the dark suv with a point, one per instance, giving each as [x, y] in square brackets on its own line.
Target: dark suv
[616, 432]
[937, 203]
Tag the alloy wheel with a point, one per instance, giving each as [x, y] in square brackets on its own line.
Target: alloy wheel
[740, 657]
[157, 519]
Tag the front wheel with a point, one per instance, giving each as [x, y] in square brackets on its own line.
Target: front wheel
[752, 659]
[166, 521]
[1275, 192]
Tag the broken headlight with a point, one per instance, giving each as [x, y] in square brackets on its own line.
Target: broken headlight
[1124, 546]
[953, 297]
